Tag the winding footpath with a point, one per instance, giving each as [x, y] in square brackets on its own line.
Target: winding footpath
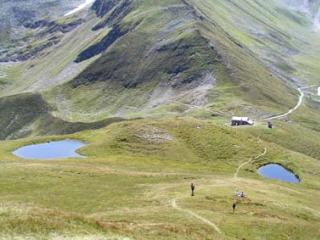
[202, 219]
[300, 101]
[191, 213]
[248, 162]
[212, 224]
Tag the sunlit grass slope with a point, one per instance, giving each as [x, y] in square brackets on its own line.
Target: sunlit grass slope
[133, 172]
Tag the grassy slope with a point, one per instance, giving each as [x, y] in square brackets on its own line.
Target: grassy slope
[55, 65]
[225, 24]
[243, 83]
[26, 115]
[174, 36]
[132, 172]
[283, 39]
[141, 64]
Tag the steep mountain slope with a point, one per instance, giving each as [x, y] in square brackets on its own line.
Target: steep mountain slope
[241, 53]
[311, 8]
[19, 19]
[29, 115]
[134, 58]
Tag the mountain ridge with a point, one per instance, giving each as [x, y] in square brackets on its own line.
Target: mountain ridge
[175, 55]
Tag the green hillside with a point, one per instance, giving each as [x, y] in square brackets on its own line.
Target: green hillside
[29, 115]
[150, 87]
[180, 57]
[135, 181]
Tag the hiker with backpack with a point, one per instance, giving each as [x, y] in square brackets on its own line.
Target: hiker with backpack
[192, 189]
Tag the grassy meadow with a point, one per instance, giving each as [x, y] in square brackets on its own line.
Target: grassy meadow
[134, 170]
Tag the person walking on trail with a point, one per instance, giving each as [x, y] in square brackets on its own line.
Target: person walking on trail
[242, 195]
[234, 205]
[192, 189]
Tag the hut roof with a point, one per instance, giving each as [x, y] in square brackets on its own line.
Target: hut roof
[243, 119]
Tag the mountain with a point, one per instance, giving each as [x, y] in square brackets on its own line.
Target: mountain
[149, 88]
[309, 8]
[90, 61]
[136, 58]
[21, 22]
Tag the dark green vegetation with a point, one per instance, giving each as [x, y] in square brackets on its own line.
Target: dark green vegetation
[150, 86]
[29, 115]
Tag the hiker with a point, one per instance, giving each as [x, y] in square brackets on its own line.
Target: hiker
[192, 189]
[240, 194]
[234, 205]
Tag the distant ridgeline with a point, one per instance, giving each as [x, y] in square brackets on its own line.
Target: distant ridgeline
[309, 7]
[18, 17]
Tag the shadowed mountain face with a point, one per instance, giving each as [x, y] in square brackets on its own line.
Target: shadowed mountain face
[310, 8]
[138, 58]
[18, 12]
[20, 21]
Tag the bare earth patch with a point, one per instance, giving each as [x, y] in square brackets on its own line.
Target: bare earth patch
[155, 135]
